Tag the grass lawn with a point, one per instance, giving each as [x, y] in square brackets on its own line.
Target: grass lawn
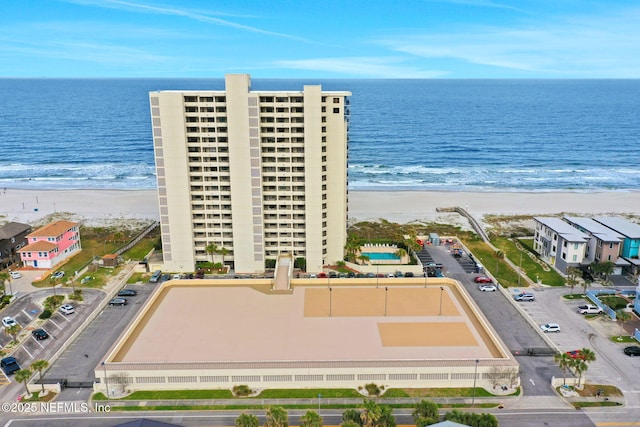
[172, 395]
[308, 393]
[623, 339]
[532, 266]
[436, 392]
[613, 301]
[573, 296]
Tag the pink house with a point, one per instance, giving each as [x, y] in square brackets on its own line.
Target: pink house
[48, 246]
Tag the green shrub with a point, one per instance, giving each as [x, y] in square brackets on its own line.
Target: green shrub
[372, 389]
[241, 390]
[46, 313]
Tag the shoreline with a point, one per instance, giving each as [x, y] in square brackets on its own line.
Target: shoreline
[104, 206]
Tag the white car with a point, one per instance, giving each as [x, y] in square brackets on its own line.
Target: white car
[176, 277]
[66, 309]
[57, 274]
[550, 327]
[589, 309]
[8, 322]
[15, 274]
[488, 287]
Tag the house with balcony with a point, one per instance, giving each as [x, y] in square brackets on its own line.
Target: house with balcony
[50, 245]
[559, 244]
[630, 231]
[13, 236]
[604, 243]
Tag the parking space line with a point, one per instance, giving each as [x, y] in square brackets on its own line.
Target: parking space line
[54, 323]
[27, 351]
[27, 314]
[38, 342]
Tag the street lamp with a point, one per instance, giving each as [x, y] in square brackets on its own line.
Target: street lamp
[377, 275]
[106, 380]
[386, 294]
[475, 375]
[441, 290]
[520, 269]
[330, 301]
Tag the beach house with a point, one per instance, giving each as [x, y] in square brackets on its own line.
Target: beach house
[630, 245]
[13, 236]
[48, 246]
[604, 243]
[559, 244]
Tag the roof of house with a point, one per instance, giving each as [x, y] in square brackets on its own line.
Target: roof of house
[448, 424]
[595, 228]
[12, 229]
[54, 229]
[564, 229]
[39, 246]
[626, 228]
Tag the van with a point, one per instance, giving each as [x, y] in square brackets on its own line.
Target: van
[155, 277]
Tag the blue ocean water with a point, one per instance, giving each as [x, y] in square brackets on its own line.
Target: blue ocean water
[466, 135]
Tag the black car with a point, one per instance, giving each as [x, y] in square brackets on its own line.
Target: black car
[118, 301]
[127, 293]
[9, 365]
[634, 350]
[40, 334]
[408, 274]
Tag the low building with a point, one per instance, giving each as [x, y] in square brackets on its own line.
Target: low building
[604, 243]
[13, 236]
[630, 231]
[559, 244]
[50, 245]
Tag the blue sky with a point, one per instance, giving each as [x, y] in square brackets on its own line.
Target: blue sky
[321, 39]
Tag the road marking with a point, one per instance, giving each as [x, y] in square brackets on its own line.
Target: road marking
[531, 381]
[37, 341]
[27, 314]
[27, 351]
[54, 323]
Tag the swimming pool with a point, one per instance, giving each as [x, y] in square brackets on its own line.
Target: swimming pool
[381, 256]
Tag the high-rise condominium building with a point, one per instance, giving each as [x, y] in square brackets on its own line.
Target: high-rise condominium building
[258, 173]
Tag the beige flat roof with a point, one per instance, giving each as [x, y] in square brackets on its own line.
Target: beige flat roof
[200, 321]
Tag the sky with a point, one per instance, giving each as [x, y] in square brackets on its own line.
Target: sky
[447, 39]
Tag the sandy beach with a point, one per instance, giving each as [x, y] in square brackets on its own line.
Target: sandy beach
[109, 206]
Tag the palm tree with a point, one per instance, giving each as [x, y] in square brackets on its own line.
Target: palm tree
[224, 252]
[363, 259]
[211, 249]
[586, 282]
[622, 316]
[587, 355]
[277, 417]
[247, 420]
[13, 330]
[572, 277]
[22, 376]
[606, 268]
[40, 365]
[425, 413]
[564, 362]
[371, 413]
[311, 419]
[579, 366]
[351, 248]
[400, 253]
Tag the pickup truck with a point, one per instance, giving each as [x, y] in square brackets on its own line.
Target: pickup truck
[589, 309]
[9, 365]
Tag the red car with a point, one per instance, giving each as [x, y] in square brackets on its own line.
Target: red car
[575, 354]
[482, 279]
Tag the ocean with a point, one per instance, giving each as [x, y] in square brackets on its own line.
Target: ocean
[454, 135]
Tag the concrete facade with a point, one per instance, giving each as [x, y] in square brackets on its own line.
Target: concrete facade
[403, 333]
[259, 173]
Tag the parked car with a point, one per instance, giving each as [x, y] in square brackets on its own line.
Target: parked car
[40, 334]
[524, 297]
[176, 276]
[482, 279]
[633, 350]
[127, 293]
[322, 275]
[575, 354]
[589, 309]
[118, 301]
[408, 274]
[67, 309]
[550, 327]
[9, 365]
[15, 274]
[333, 275]
[371, 275]
[57, 275]
[488, 287]
[155, 277]
[8, 321]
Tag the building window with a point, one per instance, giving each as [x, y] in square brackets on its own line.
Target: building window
[336, 110]
[336, 100]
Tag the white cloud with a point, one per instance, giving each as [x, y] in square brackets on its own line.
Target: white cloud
[576, 46]
[360, 66]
